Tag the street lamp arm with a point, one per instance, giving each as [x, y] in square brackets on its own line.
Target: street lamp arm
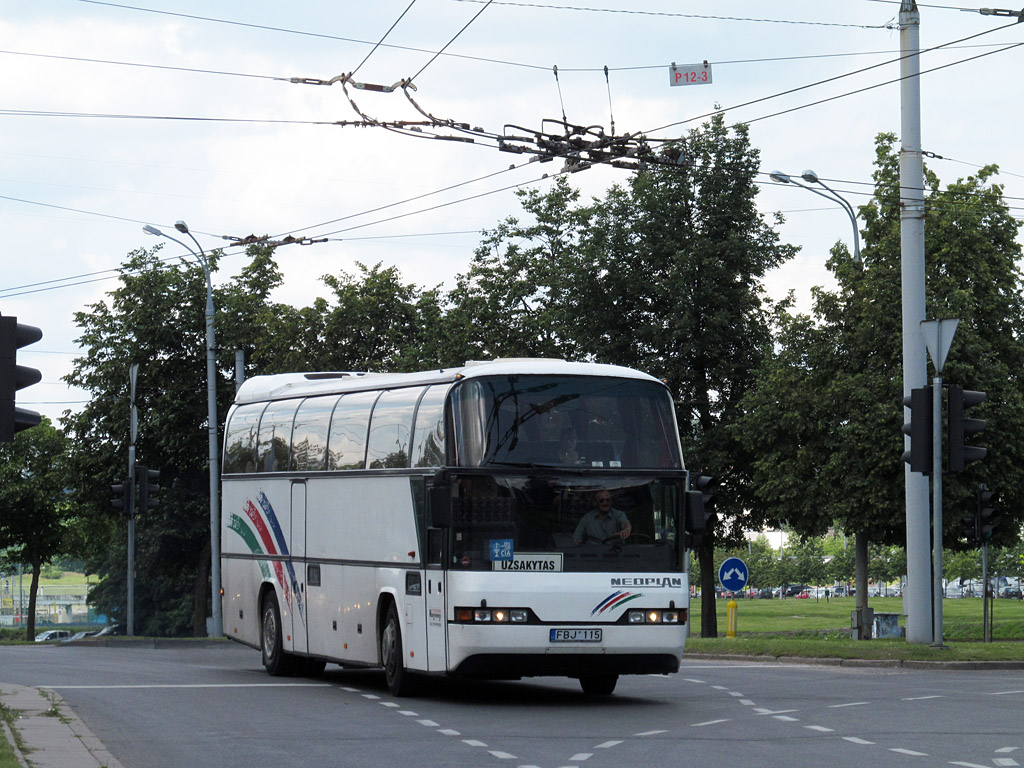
[835, 197]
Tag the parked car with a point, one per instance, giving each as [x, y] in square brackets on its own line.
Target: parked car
[53, 634]
[792, 590]
[1011, 592]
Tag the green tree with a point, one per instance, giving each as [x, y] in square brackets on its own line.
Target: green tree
[36, 513]
[824, 419]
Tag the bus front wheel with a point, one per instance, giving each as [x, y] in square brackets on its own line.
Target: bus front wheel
[275, 660]
[392, 657]
[598, 685]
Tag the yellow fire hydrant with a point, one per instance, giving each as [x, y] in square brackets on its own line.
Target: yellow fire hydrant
[731, 610]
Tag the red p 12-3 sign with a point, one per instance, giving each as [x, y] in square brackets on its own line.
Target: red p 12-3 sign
[689, 74]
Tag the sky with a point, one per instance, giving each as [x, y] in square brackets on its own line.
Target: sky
[114, 116]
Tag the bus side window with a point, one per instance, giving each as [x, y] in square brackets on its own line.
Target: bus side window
[309, 437]
[275, 436]
[391, 428]
[346, 443]
[428, 449]
[240, 438]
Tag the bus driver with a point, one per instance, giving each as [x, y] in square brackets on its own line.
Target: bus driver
[603, 522]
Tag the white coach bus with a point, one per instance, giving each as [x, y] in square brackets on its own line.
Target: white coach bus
[456, 522]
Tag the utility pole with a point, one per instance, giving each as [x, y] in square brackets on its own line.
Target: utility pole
[133, 375]
[916, 597]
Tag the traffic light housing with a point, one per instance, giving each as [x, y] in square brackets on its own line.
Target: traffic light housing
[960, 428]
[148, 488]
[14, 336]
[986, 510]
[919, 457]
[122, 499]
[969, 528]
[698, 511]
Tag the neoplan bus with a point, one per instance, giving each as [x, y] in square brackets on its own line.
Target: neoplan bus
[425, 522]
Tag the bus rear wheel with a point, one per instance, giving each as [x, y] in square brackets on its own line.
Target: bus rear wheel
[275, 660]
[392, 657]
[598, 685]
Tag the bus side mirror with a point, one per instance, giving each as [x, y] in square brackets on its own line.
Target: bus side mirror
[696, 518]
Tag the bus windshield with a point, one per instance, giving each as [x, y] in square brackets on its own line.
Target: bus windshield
[586, 421]
[551, 522]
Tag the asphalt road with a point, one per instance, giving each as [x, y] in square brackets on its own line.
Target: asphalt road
[158, 708]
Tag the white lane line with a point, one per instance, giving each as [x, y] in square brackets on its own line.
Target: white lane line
[969, 765]
[851, 704]
[649, 733]
[720, 687]
[1004, 693]
[579, 757]
[350, 690]
[923, 698]
[735, 694]
[449, 732]
[694, 680]
[371, 696]
[1008, 761]
[428, 723]
[607, 744]
[709, 722]
[408, 713]
[746, 702]
[1005, 750]
[190, 685]
[910, 752]
[502, 755]
[763, 711]
[819, 728]
[786, 718]
[473, 743]
[389, 704]
[855, 740]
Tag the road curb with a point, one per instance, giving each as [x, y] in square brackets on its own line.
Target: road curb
[864, 663]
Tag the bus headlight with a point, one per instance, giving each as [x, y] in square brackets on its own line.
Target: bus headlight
[518, 615]
[635, 617]
[481, 614]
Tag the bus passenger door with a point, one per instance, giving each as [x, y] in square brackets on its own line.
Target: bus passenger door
[436, 599]
[297, 544]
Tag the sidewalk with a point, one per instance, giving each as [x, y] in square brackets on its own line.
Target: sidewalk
[51, 733]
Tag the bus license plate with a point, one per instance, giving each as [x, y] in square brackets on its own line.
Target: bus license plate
[575, 635]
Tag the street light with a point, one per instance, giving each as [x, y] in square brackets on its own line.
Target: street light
[211, 403]
[812, 178]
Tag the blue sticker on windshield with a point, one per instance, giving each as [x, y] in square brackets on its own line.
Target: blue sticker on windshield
[501, 549]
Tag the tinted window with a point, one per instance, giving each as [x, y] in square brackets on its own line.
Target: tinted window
[240, 438]
[346, 444]
[309, 437]
[275, 436]
[587, 421]
[428, 437]
[391, 428]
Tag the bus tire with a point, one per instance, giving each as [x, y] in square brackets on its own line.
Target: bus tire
[275, 660]
[393, 657]
[598, 685]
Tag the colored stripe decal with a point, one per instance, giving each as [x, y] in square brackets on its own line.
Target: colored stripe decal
[268, 510]
[238, 525]
[600, 606]
[261, 529]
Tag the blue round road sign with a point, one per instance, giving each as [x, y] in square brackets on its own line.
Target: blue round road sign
[733, 574]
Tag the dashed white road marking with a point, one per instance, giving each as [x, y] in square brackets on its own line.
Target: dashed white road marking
[608, 744]
[786, 718]
[389, 704]
[763, 711]
[473, 743]
[819, 728]
[855, 740]
[428, 723]
[449, 732]
[581, 756]
[502, 755]
[709, 722]
[746, 702]
[408, 713]
[1003, 693]
[720, 687]
[969, 765]
[1004, 750]
[910, 752]
[1008, 761]
[923, 698]
[736, 694]
[649, 733]
[693, 680]
[850, 704]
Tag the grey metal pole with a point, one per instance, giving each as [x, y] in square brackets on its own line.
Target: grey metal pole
[937, 591]
[133, 373]
[916, 597]
[239, 368]
[986, 633]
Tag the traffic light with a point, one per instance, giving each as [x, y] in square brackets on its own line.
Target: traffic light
[122, 499]
[969, 528]
[148, 488]
[919, 457]
[698, 508]
[961, 428]
[986, 499]
[14, 336]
